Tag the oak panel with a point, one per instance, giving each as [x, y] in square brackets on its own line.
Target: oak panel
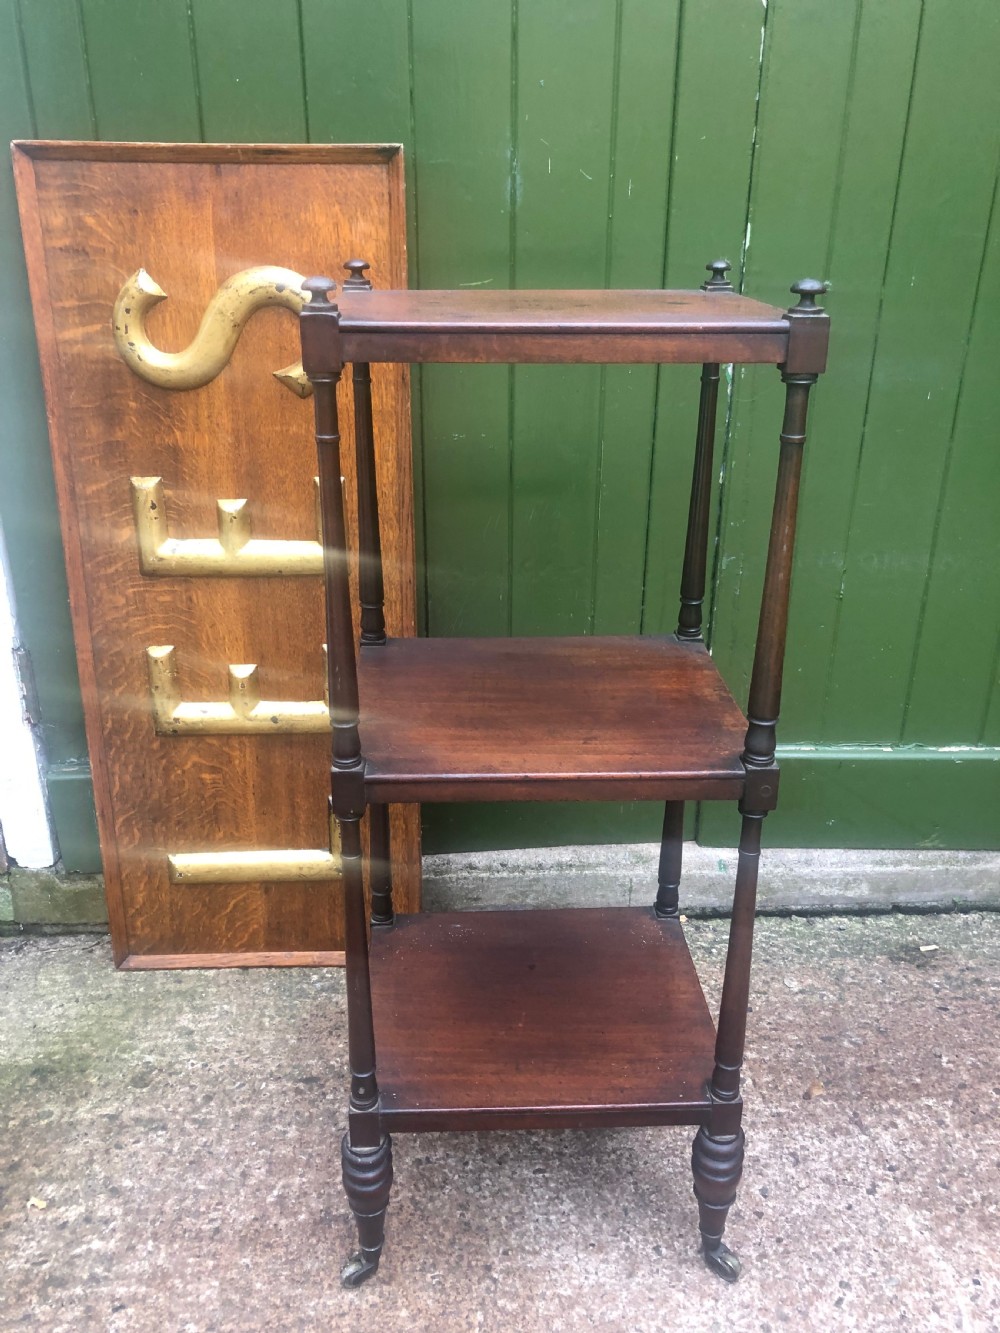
[193, 215]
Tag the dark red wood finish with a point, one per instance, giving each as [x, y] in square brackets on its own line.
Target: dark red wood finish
[696, 545]
[547, 719]
[540, 1019]
[566, 1018]
[563, 326]
[668, 878]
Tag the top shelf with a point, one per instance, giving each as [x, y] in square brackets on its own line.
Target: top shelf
[558, 326]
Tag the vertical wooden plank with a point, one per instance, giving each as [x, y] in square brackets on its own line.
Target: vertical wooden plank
[704, 217]
[954, 667]
[142, 70]
[358, 89]
[796, 167]
[640, 169]
[796, 171]
[843, 797]
[566, 82]
[27, 497]
[57, 70]
[879, 91]
[463, 147]
[357, 70]
[250, 76]
[990, 731]
[930, 285]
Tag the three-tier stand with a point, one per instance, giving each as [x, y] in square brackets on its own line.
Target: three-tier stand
[546, 1019]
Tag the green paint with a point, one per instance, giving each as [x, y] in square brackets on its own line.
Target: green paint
[357, 69]
[567, 77]
[943, 205]
[643, 133]
[143, 71]
[506, 825]
[358, 89]
[28, 512]
[991, 725]
[954, 669]
[703, 217]
[844, 796]
[250, 71]
[796, 165]
[58, 72]
[625, 144]
[464, 240]
[832, 796]
[878, 93]
[71, 801]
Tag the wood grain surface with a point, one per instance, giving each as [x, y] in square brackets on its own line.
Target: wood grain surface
[561, 326]
[595, 718]
[539, 1019]
[193, 215]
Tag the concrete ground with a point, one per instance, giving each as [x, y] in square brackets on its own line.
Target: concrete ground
[169, 1157]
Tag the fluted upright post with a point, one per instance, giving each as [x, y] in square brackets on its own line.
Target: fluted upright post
[371, 592]
[689, 624]
[668, 885]
[717, 1157]
[323, 363]
[765, 681]
[762, 713]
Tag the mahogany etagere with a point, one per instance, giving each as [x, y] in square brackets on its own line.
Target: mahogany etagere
[568, 1018]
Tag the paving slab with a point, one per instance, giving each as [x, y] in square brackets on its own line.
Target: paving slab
[170, 1157]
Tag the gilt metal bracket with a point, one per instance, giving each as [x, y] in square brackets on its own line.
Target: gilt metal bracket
[222, 323]
[235, 552]
[243, 713]
[272, 865]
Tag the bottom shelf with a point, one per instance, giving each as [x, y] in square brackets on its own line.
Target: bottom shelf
[539, 1019]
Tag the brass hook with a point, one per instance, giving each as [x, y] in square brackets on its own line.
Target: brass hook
[212, 346]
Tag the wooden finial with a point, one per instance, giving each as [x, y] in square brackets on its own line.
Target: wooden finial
[357, 281]
[319, 290]
[807, 290]
[718, 282]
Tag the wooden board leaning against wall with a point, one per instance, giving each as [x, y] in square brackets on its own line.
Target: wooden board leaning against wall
[203, 670]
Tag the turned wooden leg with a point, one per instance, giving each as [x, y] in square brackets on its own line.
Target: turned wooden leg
[380, 865]
[366, 1154]
[367, 1181]
[671, 845]
[717, 1163]
[717, 1156]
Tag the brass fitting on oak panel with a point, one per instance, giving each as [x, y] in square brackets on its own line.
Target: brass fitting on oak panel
[235, 553]
[244, 713]
[219, 332]
[261, 865]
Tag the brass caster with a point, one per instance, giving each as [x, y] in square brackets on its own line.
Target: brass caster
[720, 1259]
[359, 1268]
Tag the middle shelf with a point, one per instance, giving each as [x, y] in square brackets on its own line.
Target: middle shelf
[589, 718]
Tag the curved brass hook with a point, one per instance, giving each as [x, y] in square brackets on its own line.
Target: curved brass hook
[221, 326]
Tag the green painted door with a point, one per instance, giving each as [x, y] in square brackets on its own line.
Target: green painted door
[626, 144]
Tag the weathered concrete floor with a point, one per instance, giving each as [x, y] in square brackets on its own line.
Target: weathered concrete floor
[182, 1130]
